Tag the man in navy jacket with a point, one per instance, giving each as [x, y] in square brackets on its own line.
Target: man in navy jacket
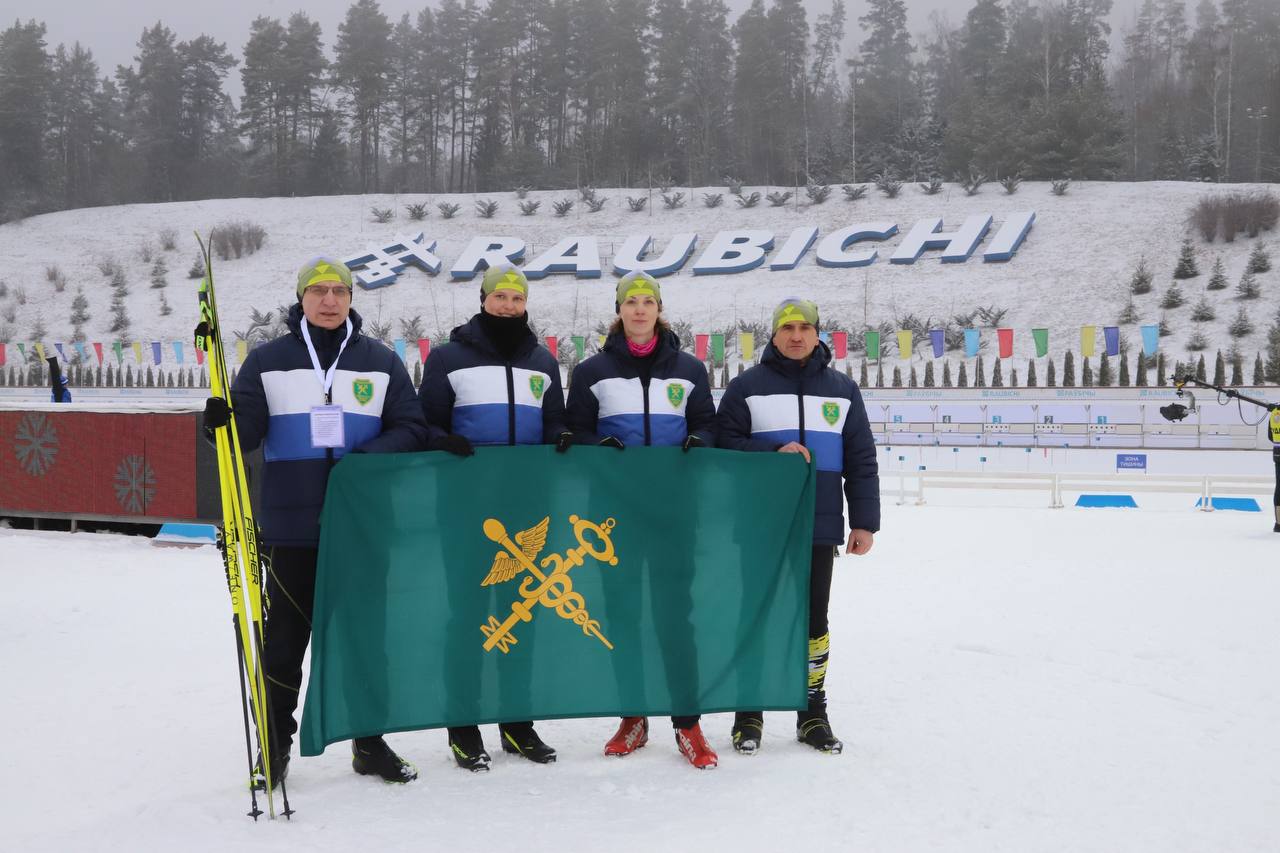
[494, 384]
[795, 402]
[311, 396]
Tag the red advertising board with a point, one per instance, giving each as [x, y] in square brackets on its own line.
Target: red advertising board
[98, 463]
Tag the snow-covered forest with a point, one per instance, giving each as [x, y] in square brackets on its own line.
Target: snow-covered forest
[484, 96]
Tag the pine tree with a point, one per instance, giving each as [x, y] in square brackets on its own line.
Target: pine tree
[997, 377]
[1140, 281]
[1259, 260]
[1248, 287]
[1031, 373]
[879, 374]
[911, 378]
[1203, 311]
[1104, 372]
[897, 377]
[928, 374]
[962, 378]
[1241, 325]
[979, 374]
[1219, 370]
[1161, 376]
[1068, 370]
[1050, 375]
[1129, 315]
[159, 271]
[1237, 370]
[1141, 370]
[1218, 278]
[1173, 297]
[1124, 369]
[862, 375]
[1272, 371]
[79, 308]
[1086, 373]
[1187, 267]
[1259, 373]
[946, 373]
[1200, 371]
[1165, 329]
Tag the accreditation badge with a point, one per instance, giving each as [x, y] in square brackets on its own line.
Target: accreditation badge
[327, 427]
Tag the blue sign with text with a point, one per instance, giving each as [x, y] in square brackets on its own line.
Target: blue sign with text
[1134, 461]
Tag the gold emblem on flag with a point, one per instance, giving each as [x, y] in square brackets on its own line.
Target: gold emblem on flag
[552, 589]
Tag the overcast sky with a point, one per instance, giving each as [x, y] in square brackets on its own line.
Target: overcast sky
[112, 32]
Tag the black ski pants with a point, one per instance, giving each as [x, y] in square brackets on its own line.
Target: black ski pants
[291, 591]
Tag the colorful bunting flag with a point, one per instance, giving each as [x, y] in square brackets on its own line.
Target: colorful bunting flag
[137, 353]
[156, 355]
[97, 348]
[118, 349]
[199, 356]
[400, 347]
[840, 343]
[717, 347]
[971, 337]
[62, 355]
[39, 350]
[553, 344]
[747, 346]
[872, 340]
[1111, 334]
[2, 346]
[938, 339]
[22, 351]
[579, 347]
[424, 349]
[177, 351]
[700, 347]
[600, 339]
[904, 344]
[1041, 337]
[242, 350]
[1087, 334]
[1150, 339]
[1005, 338]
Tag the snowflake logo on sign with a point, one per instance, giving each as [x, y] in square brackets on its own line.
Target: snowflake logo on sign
[36, 444]
[135, 484]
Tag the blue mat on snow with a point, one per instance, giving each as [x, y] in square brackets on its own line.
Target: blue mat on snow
[1237, 504]
[1095, 501]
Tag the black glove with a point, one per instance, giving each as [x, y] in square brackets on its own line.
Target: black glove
[691, 441]
[216, 413]
[458, 445]
[564, 441]
[612, 441]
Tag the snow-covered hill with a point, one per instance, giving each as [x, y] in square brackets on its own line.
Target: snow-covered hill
[1073, 269]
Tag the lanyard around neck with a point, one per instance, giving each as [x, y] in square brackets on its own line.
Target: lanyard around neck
[325, 377]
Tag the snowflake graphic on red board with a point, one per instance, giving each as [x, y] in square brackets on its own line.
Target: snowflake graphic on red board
[134, 483]
[36, 443]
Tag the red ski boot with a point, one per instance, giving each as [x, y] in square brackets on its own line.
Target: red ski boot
[632, 734]
[694, 747]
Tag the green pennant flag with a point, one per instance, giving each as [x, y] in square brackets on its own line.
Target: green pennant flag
[524, 584]
[118, 350]
[22, 351]
[717, 348]
[872, 339]
[580, 346]
[1042, 342]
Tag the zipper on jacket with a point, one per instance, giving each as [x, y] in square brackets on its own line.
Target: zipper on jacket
[511, 405]
[644, 387]
[800, 406]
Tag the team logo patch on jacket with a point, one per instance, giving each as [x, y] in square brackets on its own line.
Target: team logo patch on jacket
[362, 390]
[831, 412]
[536, 385]
[675, 394]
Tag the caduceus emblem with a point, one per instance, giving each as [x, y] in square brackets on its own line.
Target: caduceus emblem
[552, 588]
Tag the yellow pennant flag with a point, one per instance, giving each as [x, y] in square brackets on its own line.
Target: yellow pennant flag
[904, 344]
[40, 350]
[137, 353]
[1087, 334]
[747, 345]
[601, 340]
[242, 350]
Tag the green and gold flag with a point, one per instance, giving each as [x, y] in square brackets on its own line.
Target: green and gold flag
[524, 584]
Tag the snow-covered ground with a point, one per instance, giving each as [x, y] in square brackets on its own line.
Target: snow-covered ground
[1073, 269]
[1011, 679]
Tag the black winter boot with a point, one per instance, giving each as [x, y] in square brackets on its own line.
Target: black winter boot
[370, 756]
[521, 739]
[467, 747]
[813, 729]
[748, 729]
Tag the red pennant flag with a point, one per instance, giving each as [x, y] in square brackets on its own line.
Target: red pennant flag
[553, 345]
[424, 349]
[199, 356]
[700, 346]
[841, 342]
[97, 349]
[1006, 342]
[2, 347]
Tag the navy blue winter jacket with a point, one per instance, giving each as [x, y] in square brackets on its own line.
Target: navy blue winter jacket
[468, 388]
[655, 401]
[780, 401]
[272, 398]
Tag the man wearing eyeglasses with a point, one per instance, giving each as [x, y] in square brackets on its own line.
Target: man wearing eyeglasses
[310, 397]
